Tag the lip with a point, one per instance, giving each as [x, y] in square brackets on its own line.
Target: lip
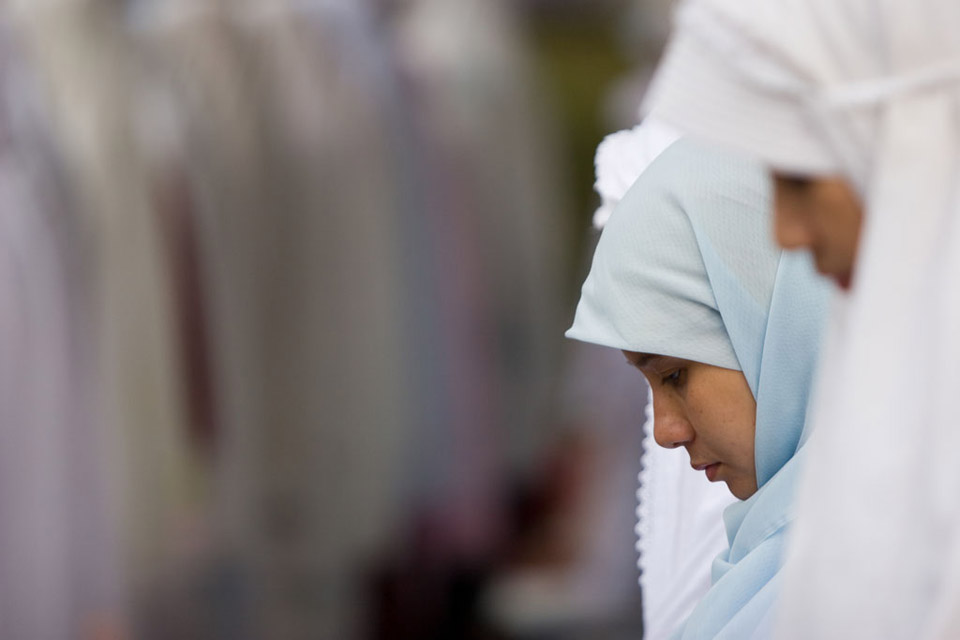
[710, 468]
[712, 471]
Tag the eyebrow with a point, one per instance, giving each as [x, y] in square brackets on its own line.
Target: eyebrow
[644, 360]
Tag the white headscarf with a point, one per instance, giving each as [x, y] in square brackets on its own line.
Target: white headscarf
[869, 89]
[679, 516]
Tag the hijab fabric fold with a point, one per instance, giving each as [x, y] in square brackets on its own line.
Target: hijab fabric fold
[686, 268]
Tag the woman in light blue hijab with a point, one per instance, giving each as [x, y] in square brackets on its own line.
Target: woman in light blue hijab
[687, 282]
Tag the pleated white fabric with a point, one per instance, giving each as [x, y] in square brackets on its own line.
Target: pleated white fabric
[679, 533]
[622, 157]
[869, 89]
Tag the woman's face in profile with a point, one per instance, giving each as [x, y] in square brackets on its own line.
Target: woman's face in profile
[823, 215]
[710, 411]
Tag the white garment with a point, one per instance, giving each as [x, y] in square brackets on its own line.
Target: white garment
[679, 533]
[281, 132]
[622, 157]
[868, 89]
[679, 516]
[59, 570]
[86, 69]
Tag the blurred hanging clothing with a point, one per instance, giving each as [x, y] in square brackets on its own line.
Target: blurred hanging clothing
[306, 310]
[226, 155]
[131, 469]
[285, 153]
[60, 525]
[367, 360]
[493, 214]
[579, 571]
[484, 281]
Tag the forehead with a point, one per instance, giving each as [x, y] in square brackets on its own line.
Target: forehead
[645, 360]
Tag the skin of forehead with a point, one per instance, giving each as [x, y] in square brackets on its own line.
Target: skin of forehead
[644, 359]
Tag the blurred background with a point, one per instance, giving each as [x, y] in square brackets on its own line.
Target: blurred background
[283, 285]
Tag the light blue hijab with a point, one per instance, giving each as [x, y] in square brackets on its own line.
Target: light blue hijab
[687, 268]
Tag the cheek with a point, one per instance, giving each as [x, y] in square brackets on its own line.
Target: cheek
[849, 221]
[711, 412]
[793, 219]
[724, 414]
[839, 221]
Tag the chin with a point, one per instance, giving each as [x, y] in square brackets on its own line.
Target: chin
[843, 280]
[740, 490]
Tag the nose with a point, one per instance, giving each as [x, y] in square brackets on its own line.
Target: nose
[790, 230]
[671, 429]
[791, 225]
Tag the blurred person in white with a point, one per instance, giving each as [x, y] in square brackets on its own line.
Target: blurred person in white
[687, 283]
[679, 517]
[853, 103]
